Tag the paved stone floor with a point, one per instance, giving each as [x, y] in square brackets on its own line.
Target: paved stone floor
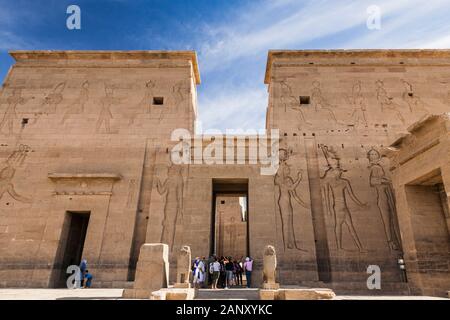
[204, 294]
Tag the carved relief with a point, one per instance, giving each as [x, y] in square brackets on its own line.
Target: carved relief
[358, 104]
[148, 95]
[286, 186]
[8, 171]
[105, 113]
[53, 99]
[178, 94]
[231, 231]
[131, 191]
[172, 190]
[10, 114]
[78, 106]
[386, 102]
[288, 99]
[385, 198]
[411, 98]
[336, 190]
[321, 104]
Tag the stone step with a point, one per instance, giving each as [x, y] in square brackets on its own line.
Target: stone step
[390, 288]
[228, 294]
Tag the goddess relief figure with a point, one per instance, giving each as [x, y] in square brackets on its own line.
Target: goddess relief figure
[172, 190]
[10, 114]
[385, 198]
[286, 193]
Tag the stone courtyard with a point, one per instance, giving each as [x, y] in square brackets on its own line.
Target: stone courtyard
[362, 179]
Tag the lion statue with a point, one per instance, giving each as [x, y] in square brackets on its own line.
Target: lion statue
[269, 264]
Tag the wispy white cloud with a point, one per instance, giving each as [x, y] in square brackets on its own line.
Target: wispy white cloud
[288, 24]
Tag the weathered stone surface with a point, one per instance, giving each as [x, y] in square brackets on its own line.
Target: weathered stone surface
[152, 272]
[84, 134]
[183, 267]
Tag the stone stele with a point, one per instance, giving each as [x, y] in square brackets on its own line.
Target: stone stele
[183, 267]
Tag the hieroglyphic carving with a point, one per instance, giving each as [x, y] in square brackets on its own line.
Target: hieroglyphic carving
[386, 102]
[172, 190]
[413, 101]
[8, 171]
[385, 198]
[359, 105]
[286, 192]
[11, 113]
[147, 99]
[320, 103]
[78, 106]
[335, 191]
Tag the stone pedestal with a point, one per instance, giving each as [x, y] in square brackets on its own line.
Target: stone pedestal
[174, 294]
[152, 271]
[296, 294]
[271, 286]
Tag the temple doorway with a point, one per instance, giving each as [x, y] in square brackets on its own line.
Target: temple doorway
[230, 219]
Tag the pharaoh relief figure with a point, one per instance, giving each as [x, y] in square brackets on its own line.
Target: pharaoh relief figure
[78, 106]
[319, 102]
[359, 105]
[147, 99]
[386, 102]
[8, 171]
[286, 187]
[105, 115]
[413, 101]
[337, 191]
[379, 181]
[172, 191]
[11, 113]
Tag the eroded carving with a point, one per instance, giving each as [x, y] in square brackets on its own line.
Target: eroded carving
[386, 101]
[10, 114]
[172, 190]
[105, 113]
[8, 171]
[78, 106]
[411, 98]
[358, 104]
[319, 102]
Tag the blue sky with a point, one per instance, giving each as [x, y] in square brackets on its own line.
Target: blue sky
[231, 37]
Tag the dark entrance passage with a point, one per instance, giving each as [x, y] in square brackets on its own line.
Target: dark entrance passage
[71, 245]
[229, 228]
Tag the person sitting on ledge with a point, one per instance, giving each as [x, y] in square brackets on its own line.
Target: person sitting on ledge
[87, 279]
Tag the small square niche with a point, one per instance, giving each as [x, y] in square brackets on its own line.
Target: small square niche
[305, 99]
[158, 101]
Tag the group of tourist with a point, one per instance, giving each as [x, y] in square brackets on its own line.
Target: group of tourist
[221, 272]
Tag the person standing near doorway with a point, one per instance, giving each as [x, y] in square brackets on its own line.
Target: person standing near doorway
[215, 273]
[248, 268]
[229, 267]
